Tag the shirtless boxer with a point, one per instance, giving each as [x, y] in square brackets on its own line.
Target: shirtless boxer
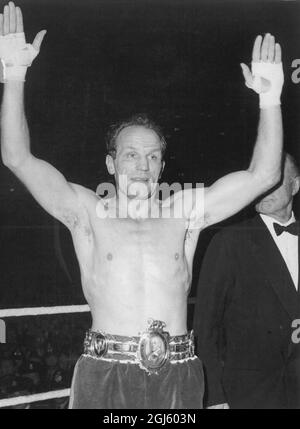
[136, 270]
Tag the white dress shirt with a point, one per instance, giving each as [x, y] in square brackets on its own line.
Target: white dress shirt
[287, 244]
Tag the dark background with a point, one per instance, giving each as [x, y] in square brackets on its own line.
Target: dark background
[104, 60]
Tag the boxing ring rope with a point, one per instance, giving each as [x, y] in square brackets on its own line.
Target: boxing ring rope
[40, 311]
[27, 399]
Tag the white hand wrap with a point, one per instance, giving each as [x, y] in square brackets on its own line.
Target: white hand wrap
[268, 82]
[16, 55]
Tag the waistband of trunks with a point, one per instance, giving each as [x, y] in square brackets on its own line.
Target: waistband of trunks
[118, 347]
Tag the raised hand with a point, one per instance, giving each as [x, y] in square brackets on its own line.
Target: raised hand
[266, 77]
[16, 55]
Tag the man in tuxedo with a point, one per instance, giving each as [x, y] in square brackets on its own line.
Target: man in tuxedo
[248, 298]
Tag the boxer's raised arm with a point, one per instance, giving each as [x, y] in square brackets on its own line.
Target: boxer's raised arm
[233, 192]
[45, 183]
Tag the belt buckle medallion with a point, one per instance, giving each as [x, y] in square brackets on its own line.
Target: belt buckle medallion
[153, 348]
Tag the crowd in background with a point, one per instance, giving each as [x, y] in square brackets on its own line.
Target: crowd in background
[39, 356]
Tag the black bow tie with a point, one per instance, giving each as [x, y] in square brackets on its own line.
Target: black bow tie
[292, 228]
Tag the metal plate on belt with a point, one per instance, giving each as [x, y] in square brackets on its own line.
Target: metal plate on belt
[100, 344]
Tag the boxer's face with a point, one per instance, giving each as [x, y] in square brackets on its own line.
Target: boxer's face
[138, 162]
[281, 198]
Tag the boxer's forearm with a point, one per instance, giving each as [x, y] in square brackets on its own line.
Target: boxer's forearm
[235, 191]
[266, 79]
[15, 143]
[267, 154]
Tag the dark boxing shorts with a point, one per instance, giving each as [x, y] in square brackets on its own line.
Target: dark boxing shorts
[101, 384]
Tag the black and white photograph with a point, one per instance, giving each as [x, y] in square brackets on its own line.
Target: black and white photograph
[150, 206]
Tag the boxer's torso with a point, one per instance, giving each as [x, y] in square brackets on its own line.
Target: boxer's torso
[133, 270]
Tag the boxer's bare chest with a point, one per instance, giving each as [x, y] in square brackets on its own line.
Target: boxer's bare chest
[101, 241]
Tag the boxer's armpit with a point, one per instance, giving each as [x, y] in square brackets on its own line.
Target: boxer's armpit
[70, 219]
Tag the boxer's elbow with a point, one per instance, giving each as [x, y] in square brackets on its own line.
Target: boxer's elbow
[267, 179]
[12, 160]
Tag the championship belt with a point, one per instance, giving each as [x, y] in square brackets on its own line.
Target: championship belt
[153, 349]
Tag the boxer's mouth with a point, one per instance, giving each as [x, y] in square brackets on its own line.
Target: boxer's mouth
[140, 179]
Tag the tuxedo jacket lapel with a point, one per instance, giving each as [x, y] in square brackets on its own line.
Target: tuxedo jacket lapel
[272, 263]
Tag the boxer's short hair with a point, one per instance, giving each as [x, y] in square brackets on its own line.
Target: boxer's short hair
[136, 120]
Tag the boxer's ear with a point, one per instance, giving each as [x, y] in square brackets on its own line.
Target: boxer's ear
[110, 164]
[296, 185]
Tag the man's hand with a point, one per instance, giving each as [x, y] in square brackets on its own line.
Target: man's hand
[16, 55]
[266, 77]
[219, 407]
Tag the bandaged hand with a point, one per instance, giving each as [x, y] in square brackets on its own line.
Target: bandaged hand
[266, 75]
[15, 54]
